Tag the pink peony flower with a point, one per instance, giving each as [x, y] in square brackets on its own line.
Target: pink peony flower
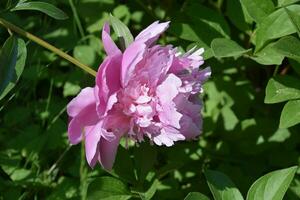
[146, 91]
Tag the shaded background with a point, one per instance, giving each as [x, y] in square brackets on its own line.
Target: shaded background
[241, 135]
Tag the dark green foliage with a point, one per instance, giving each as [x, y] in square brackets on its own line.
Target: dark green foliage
[251, 106]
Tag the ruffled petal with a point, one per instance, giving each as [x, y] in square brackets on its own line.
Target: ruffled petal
[152, 32]
[81, 101]
[107, 81]
[168, 136]
[87, 117]
[131, 57]
[109, 46]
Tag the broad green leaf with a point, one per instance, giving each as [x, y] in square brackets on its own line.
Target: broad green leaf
[196, 196]
[294, 19]
[12, 61]
[288, 46]
[124, 35]
[290, 114]
[286, 2]
[276, 25]
[221, 186]
[268, 56]
[150, 192]
[43, 7]
[223, 47]
[282, 88]
[258, 9]
[107, 188]
[272, 186]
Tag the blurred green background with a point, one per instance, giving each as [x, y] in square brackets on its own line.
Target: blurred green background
[243, 136]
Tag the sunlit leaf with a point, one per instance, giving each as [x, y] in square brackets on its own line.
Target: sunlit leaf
[276, 25]
[43, 7]
[122, 31]
[290, 114]
[272, 186]
[281, 89]
[223, 47]
[258, 9]
[288, 46]
[196, 196]
[221, 186]
[107, 188]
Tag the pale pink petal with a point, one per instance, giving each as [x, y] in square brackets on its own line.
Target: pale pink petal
[92, 138]
[157, 64]
[168, 136]
[83, 99]
[108, 151]
[152, 32]
[168, 89]
[87, 117]
[107, 81]
[109, 46]
[131, 57]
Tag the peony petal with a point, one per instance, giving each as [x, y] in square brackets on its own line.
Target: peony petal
[108, 151]
[107, 81]
[83, 99]
[168, 136]
[92, 138]
[168, 89]
[109, 46]
[152, 32]
[131, 57]
[87, 117]
[188, 127]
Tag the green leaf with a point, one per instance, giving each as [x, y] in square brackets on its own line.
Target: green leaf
[71, 89]
[196, 196]
[223, 47]
[43, 7]
[12, 61]
[282, 88]
[272, 186]
[107, 188]
[151, 191]
[221, 186]
[286, 2]
[268, 56]
[124, 35]
[207, 18]
[276, 25]
[288, 46]
[258, 9]
[85, 54]
[290, 114]
[294, 19]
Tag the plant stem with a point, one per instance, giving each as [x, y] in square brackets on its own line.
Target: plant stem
[83, 174]
[76, 17]
[46, 45]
